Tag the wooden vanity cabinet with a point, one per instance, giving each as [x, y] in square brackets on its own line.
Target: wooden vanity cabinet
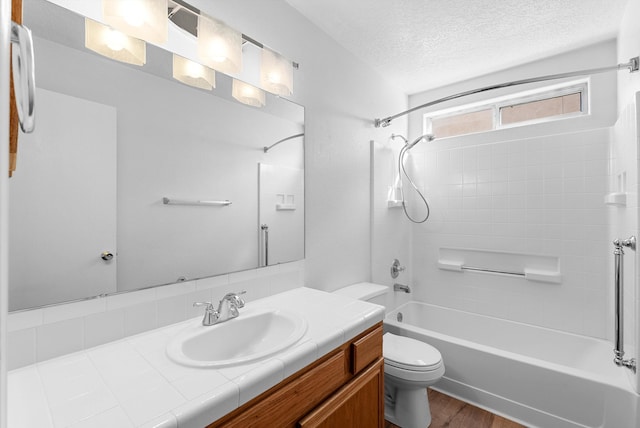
[345, 388]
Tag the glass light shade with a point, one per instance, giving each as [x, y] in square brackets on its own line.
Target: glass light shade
[193, 74]
[219, 46]
[143, 19]
[247, 94]
[276, 73]
[114, 44]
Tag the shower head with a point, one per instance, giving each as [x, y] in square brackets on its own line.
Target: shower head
[426, 137]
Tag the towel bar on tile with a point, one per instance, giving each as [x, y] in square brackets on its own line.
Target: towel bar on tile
[168, 201]
[528, 274]
[504, 272]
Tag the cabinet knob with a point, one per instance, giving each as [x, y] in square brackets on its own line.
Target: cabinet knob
[106, 255]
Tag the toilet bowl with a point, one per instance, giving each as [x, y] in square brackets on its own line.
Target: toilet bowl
[410, 366]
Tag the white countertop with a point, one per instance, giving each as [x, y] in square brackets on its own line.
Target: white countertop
[132, 383]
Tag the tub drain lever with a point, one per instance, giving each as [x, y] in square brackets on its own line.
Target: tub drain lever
[618, 253]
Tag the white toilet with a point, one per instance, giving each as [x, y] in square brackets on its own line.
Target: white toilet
[409, 367]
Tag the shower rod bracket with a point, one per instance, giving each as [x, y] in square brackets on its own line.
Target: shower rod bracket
[621, 362]
[632, 65]
[629, 243]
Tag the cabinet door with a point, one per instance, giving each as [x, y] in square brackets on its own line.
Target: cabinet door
[360, 403]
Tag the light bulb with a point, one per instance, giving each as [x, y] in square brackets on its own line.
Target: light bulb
[218, 50]
[274, 78]
[142, 19]
[193, 69]
[115, 40]
[247, 94]
[133, 12]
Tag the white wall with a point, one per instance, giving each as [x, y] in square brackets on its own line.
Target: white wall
[341, 97]
[391, 232]
[627, 219]
[535, 190]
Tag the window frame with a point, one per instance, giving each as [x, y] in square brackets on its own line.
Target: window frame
[496, 104]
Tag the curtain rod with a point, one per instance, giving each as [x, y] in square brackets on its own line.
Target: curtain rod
[633, 66]
[266, 149]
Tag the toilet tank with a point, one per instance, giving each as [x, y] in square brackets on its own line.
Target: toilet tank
[368, 291]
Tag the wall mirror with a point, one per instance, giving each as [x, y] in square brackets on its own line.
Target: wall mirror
[113, 143]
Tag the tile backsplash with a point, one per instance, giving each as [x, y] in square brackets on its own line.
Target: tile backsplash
[40, 334]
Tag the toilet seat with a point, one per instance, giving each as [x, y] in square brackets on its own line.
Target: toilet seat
[409, 354]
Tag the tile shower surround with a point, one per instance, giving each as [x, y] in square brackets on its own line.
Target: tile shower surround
[541, 195]
[41, 334]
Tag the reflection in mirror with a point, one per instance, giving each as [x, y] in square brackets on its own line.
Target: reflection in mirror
[282, 202]
[112, 141]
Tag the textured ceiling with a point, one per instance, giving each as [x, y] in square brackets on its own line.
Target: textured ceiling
[423, 44]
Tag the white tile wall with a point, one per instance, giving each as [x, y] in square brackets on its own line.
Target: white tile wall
[541, 195]
[41, 334]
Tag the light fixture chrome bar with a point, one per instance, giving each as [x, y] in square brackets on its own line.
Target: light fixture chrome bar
[266, 149]
[169, 201]
[177, 5]
[633, 65]
[618, 254]
[174, 11]
[503, 272]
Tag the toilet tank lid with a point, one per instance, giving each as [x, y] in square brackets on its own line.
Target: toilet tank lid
[363, 290]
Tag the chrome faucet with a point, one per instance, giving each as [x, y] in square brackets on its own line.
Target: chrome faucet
[401, 287]
[229, 305]
[211, 316]
[227, 309]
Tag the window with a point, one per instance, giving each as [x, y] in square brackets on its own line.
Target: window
[542, 105]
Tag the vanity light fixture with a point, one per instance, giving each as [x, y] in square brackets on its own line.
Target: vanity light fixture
[193, 74]
[247, 94]
[114, 44]
[143, 19]
[276, 73]
[219, 46]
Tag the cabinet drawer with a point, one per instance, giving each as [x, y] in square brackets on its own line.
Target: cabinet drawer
[366, 350]
[282, 407]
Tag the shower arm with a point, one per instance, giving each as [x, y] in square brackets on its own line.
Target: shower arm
[633, 65]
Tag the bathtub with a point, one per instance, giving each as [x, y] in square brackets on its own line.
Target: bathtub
[537, 376]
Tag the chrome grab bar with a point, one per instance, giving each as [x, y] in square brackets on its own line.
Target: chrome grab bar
[502, 272]
[618, 253]
[23, 64]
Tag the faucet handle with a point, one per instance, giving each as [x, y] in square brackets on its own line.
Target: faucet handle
[208, 305]
[210, 315]
[235, 298]
[396, 268]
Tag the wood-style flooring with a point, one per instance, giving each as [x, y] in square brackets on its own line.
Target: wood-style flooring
[448, 412]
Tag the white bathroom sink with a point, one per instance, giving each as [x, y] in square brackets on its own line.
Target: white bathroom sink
[252, 335]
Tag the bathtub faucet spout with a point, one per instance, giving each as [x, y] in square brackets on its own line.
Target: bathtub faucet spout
[401, 287]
